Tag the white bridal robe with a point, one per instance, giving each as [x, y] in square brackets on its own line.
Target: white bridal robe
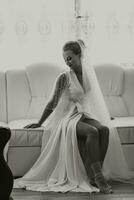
[59, 167]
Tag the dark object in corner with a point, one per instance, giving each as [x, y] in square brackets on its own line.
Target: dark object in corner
[6, 176]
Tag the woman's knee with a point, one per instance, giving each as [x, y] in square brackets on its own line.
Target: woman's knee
[93, 134]
[104, 130]
[86, 131]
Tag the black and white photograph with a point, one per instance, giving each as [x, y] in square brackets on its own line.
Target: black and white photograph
[66, 99]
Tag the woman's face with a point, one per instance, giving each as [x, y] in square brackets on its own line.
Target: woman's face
[72, 60]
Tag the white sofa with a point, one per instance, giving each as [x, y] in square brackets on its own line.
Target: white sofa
[23, 96]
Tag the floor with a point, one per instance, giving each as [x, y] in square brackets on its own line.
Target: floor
[122, 191]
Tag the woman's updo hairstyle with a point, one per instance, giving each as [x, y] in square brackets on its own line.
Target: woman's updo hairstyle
[72, 46]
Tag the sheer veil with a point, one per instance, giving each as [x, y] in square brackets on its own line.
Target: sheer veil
[115, 165]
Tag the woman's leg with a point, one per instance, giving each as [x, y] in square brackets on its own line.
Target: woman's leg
[103, 136]
[91, 136]
[91, 143]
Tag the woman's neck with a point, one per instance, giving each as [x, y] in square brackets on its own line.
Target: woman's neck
[78, 71]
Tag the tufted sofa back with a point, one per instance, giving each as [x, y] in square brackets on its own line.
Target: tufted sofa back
[24, 93]
[28, 90]
[128, 94]
[117, 85]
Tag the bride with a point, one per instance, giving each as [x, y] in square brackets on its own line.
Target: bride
[76, 112]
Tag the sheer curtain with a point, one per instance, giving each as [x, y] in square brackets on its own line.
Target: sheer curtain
[34, 31]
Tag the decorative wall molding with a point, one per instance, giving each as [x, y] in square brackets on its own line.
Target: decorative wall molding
[108, 26]
[112, 25]
[21, 27]
[131, 23]
[44, 27]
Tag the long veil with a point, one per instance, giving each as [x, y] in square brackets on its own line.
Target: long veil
[115, 166]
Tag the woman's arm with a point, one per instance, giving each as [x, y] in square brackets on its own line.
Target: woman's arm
[59, 88]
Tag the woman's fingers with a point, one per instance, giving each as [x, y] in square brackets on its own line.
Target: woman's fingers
[34, 126]
[30, 126]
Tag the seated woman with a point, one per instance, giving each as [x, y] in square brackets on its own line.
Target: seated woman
[68, 117]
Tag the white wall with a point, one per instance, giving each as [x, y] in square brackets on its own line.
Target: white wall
[35, 30]
[31, 31]
[111, 29]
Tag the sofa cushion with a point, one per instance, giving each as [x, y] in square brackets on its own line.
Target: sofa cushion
[122, 122]
[129, 155]
[111, 80]
[116, 106]
[20, 159]
[3, 124]
[20, 123]
[25, 137]
[125, 128]
[126, 135]
[18, 94]
[128, 95]
[28, 90]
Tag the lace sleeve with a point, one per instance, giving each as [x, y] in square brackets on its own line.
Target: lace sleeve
[61, 84]
[59, 87]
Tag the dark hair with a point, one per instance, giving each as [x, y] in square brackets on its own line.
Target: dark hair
[73, 46]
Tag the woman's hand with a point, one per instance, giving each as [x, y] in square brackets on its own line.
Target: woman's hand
[36, 125]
